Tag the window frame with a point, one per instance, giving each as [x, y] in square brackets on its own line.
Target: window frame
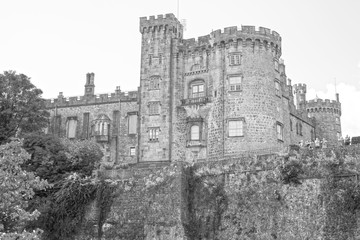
[277, 88]
[280, 131]
[154, 83]
[235, 58]
[237, 86]
[235, 132]
[197, 133]
[154, 133]
[70, 120]
[197, 83]
[132, 151]
[129, 116]
[154, 108]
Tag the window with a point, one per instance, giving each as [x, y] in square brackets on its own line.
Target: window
[235, 59]
[279, 131]
[154, 108]
[154, 134]
[277, 88]
[276, 65]
[291, 127]
[195, 132]
[132, 123]
[154, 82]
[86, 123]
[197, 91]
[235, 83]
[71, 127]
[300, 129]
[235, 128]
[101, 125]
[132, 151]
[195, 67]
[150, 60]
[160, 59]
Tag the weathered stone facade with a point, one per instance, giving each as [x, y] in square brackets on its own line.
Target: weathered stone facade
[224, 95]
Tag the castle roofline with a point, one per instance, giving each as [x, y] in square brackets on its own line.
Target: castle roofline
[92, 100]
[245, 33]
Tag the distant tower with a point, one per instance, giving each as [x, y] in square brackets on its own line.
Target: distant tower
[327, 114]
[300, 96]
[89, 85]
[160, 40]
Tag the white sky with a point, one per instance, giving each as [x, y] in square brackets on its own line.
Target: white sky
[57, 42]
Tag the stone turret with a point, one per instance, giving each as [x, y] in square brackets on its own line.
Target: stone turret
[300, 96]
[327, 114]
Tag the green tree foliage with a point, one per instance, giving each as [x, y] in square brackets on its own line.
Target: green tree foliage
[21, 107]
[54, 159]
[16, 189]
[58, 161]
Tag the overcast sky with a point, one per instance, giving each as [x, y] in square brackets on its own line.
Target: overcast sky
[57, 42]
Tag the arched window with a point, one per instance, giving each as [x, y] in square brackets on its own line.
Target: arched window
[195, 132]
[300, 129]
[101, 126]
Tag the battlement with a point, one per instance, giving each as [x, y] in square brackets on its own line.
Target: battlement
[92, 100]
[323, 103]
[300, 86]
[165, 22]
[320, 105]
[264, 37]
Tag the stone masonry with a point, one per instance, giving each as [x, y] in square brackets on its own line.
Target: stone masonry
[223, 95]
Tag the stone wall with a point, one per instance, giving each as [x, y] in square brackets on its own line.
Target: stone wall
[241, 198]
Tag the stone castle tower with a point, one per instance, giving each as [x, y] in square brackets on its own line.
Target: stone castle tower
[160, 40]
[217, 97]
[327, 114]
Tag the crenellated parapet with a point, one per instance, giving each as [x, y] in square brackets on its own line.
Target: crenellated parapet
[106, 98]
[162, 23]
[324, 106]
[247, 36]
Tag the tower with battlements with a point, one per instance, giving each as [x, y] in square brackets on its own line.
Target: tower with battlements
[220, 96]
[327, 115]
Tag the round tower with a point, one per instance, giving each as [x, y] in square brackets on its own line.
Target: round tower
[300, 96]
[242, 77]
[327, 115]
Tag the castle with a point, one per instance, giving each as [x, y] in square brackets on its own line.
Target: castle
[222, 95]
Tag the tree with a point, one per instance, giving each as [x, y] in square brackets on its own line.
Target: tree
[21, 107]
[56, 160]
[16, 189]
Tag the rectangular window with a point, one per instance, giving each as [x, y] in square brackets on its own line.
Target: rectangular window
[132, 123]
[235, 128]
[154, 108]
[154, 83]
[154, 134]
[198, 91]
[195, 132]
[150, 60]
[86, 119]
[71, 128]
[279, 131]
[277, 88]
[235, 83]
[160, 59]
[276, 65]
[115, 123]
[132, 151]
[235, 59]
